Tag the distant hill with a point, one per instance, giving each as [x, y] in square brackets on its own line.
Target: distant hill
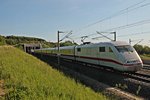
[27, 78]
[19, 40]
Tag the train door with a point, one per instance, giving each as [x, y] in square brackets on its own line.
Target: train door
[97, 55]
[111, 54]
[112, 57]
[107, 56]
[101, 55]
[93, 54]
[77, 53]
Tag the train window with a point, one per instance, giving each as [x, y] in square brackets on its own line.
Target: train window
[125, 48]
[110, 50]
[79, 49]
[101, 49]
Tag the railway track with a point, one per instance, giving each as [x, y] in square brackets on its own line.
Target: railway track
[136, 76]
[132, 80]
[140, 77]
[147, 67]
[108, 76]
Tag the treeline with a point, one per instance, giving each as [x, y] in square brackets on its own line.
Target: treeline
[18, 41]
[142, 49]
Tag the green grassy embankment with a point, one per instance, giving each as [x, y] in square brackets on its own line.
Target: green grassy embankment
[25, 77]
[145, 57]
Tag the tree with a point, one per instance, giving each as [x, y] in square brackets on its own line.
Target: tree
[2, 40]
[67, 43]
[142, 49]
[139, 48]
[146, 50]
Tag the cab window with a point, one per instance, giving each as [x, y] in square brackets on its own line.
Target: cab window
[125, 48]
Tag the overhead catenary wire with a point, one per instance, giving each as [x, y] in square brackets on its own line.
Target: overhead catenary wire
[130, 25]
[132, 34]
[73, 37]
[126, 10]
[147, 32]
[121, 27]
[66, 36]
[104, 36]
[139, 41]
[117, 14]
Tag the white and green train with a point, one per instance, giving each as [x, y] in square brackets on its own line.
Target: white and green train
[117, 55]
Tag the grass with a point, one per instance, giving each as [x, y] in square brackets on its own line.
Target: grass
[27, 78]
[145, 57]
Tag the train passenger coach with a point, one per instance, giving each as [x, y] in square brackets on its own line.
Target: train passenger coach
[117, 55]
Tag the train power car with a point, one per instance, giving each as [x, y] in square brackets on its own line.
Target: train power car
[117, 55]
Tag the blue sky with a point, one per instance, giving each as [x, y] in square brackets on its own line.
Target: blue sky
[43, 18]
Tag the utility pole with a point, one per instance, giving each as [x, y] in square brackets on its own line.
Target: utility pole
[130, 41]
[139, 40]
[114, 33]
[58, 45]
[115, 37]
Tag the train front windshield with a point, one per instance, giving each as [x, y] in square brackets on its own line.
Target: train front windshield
[124, 48]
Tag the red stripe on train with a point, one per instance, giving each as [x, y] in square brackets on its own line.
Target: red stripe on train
[101, 59]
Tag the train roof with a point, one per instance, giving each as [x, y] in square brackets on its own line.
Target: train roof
[46, 49]
[117, 43]
[68, 47]
[112, 43]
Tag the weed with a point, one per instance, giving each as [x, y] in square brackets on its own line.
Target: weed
[138, 90]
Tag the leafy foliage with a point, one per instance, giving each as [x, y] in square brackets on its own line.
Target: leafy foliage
[19, 40]
[142, 49]
[13, 40]
[67, 43]
[2, 40]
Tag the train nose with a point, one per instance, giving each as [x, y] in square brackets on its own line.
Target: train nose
[138, 66]
[134, 65]
[132, 61]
